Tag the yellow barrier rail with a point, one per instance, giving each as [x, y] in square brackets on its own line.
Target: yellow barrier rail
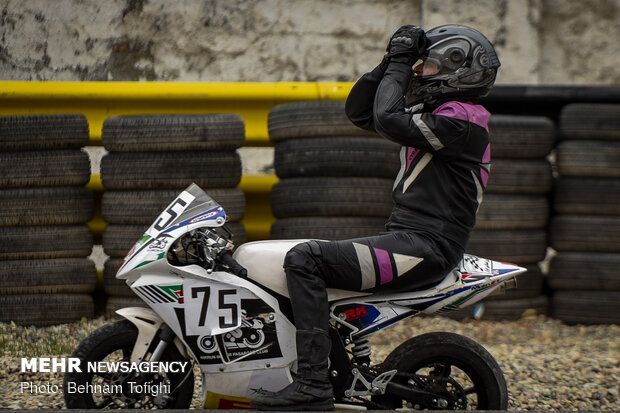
[98, 101]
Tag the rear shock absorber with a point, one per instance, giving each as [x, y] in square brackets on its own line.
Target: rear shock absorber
[361, 351]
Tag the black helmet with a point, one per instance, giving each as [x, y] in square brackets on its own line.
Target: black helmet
[465, 66]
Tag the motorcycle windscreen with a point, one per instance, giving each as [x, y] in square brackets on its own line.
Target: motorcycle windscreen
[193, 208]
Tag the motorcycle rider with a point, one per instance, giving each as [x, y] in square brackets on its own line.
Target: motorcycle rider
[430, 108]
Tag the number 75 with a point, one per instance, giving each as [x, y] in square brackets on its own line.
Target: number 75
[222, 307]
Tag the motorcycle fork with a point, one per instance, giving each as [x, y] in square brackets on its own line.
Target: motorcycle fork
[148, 324]
[166, 336]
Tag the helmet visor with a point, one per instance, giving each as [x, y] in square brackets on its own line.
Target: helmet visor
[427, 66]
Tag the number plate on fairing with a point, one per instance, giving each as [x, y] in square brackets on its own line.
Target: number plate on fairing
[211, 308]
[226, 324]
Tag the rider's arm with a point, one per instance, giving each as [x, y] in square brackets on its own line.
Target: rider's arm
[358, 106]
[425, 131]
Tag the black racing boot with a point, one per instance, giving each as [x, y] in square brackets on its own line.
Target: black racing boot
[311, 389]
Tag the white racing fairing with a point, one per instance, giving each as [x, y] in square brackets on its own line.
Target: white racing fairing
[232, 328]
[239, 330]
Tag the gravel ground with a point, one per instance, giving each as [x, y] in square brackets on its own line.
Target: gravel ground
[548, 365]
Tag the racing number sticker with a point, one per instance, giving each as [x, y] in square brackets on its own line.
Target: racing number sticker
[172, 212]
[211, 308]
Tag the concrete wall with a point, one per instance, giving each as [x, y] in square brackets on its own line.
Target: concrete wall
[539, 41]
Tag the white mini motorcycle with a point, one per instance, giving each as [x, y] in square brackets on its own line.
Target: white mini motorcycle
[230, 315]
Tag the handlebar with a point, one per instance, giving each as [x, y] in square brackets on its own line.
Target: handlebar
[227, 259]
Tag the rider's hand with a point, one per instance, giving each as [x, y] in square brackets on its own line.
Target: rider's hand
[407, 44]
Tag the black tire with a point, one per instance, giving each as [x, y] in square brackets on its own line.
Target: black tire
[111, 285]
[590, 121]
[43, 132]
[521, 136]
[115, 342]
[327, 228]
[518, 246]
[598, 159]
[586, 307]
[73, 275]
[170, 170]
[143, 207]
[584, 271]
[22, 243]
[117, 302]
[513, 212]
[306, 197]
[427, 354]
[118, 239]
[45, 309]
[520, 176]
[51, 168]
[587, 196]
[585, 233]
[45, 206]
[337, 156]
[162, 133]
[305, 119]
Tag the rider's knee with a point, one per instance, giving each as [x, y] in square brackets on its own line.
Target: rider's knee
[306, 256]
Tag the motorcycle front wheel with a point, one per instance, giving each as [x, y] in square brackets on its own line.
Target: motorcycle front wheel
[94, 388]
[459, 373]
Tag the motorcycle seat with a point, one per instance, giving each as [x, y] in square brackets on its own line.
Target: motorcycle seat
[263, 261]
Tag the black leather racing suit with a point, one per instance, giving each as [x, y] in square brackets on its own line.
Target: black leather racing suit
[445, 158]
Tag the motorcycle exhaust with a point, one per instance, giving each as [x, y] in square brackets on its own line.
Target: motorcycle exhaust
[511, 283]
[506, 285]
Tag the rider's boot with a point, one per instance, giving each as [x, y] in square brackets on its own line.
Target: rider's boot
[311, 389]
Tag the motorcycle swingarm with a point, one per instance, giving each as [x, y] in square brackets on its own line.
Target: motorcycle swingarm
[348, 385]
[365, 384]
[148, 324]
[415, 396]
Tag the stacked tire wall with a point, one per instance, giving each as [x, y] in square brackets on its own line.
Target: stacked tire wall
[45, 275]
[335, 178]
[150, 160]
[585, 230]
[512, 222]
[336, 181]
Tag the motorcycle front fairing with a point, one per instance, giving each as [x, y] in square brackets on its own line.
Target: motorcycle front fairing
[192, 209]
[229, 324]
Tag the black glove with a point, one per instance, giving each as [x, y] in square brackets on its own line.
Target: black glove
[406, 45]
[227, 259]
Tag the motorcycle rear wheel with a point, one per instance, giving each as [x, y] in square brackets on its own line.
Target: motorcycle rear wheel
[99, 390]
[460, 372]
